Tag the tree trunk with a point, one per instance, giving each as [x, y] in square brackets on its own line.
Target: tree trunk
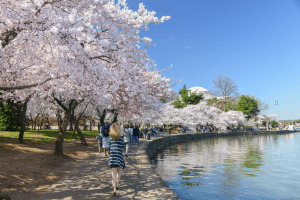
[22, 120]
[38, 125]
[90, 125]
[83, 142]
[36, 118]
[115, 117]
[102, 117]
[63, 125]
[74, 131]
[48, 123]
[31, 122]
[71, 126]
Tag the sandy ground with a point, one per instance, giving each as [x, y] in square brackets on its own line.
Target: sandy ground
[28, 170]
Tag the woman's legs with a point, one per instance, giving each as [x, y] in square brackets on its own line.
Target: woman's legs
[118, 176]
[127, 148]
[113, 175]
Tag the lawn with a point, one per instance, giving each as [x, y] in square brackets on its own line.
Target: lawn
[27, 170]
[44, 136]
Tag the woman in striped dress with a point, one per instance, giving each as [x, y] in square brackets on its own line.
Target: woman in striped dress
[116, 161]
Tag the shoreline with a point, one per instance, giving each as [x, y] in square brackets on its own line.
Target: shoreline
[152, 180]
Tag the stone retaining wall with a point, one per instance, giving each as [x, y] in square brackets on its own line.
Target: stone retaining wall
[159, 143]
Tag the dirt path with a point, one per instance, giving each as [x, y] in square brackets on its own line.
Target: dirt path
[28, 171]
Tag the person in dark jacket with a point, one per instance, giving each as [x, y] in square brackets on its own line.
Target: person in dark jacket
[116, 161]
[105, 136]
[135, 135]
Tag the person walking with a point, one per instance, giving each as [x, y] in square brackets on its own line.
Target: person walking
[145, 131]
[156, 132]
[99, 138]
[126, 136]
[161, 129]
[116, 161]
[105, 136]
[135, 135]
[130, 129]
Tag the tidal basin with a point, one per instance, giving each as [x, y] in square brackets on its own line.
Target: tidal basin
[240, 167]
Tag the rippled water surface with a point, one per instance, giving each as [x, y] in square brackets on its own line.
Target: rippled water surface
[241, 167]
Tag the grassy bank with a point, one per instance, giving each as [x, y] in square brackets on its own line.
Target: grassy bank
[32, 137]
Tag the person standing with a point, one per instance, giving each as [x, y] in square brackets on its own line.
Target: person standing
[156, 133]
[99, 138]
[135, 135]
[161, 129]
[130, 133]
[170, 131]
[145, 131]
[126, 135]
[105, 136]
[116, 161]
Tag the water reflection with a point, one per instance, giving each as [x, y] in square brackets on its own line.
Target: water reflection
[229, 166]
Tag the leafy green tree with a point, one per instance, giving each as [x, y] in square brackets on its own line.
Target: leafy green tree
[274, 123]
[248, 106]
[230, 106]
[9, 116]
[162, 100]
[178, 104]
[194, 98]
[186, 98]
[184, 93]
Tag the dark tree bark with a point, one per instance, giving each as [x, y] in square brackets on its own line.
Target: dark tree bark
[36, 119]
[115, 117]
[38, 126]
[75, 121]
[63, 124]
[83, 141]
[71, 125]
[91, 124]
[22, 119]
[102, 117]
[31, 119]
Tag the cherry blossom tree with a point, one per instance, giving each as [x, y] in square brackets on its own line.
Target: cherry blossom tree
[75, 50]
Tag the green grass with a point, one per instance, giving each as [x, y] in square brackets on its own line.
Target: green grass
[45, 135]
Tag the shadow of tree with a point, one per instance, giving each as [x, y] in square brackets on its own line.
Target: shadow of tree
[92, 180]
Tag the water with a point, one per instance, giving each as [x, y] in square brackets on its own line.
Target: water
[241, 167]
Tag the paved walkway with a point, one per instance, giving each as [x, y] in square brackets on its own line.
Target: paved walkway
[92, 179]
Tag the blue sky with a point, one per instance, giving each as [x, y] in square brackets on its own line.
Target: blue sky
[256, 43]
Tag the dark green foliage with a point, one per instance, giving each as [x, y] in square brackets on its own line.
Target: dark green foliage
[194, 98]
[229, 106]
[274, 123]
[187, 99]
[162, 100]
[9, 116]
[248, 106]
[178, 104]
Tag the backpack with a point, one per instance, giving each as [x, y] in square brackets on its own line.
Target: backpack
[106, 131]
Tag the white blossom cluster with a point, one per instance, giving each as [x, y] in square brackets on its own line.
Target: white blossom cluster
[79, 49]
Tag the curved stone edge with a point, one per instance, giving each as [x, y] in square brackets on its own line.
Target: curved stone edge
[154, 184]
[159, 143]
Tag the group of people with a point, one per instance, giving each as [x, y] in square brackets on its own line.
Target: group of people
[113, 139]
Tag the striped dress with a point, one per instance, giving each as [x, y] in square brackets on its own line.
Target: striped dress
[116, 153]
